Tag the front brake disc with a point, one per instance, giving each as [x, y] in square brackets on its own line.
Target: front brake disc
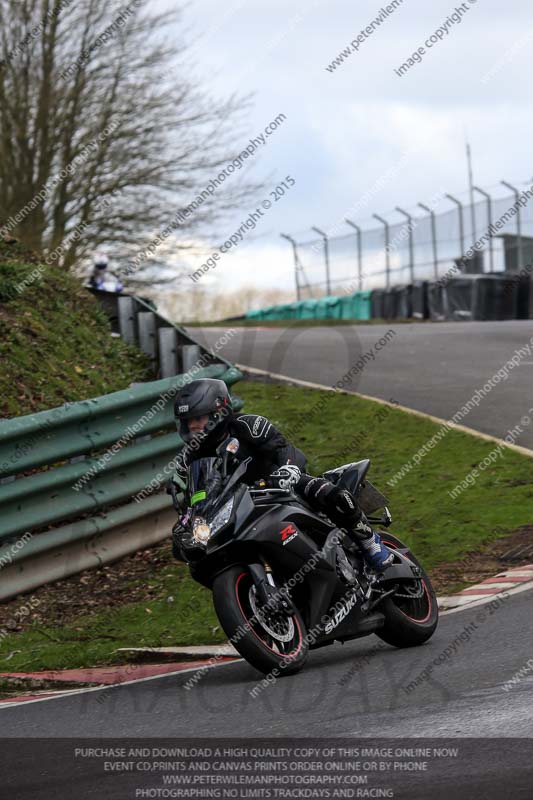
[278, 626]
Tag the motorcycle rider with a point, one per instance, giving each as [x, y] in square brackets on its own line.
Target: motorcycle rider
[101, 278]
[204, 418]
[99, 273]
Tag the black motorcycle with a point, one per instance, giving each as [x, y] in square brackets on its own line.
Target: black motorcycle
[284, 578]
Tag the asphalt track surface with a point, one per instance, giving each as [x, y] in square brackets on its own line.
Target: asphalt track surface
[434, 367]
[352, 691]
[339, 693]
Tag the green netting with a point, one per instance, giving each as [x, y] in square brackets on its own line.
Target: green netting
[306, 309]
[365, 305]
[284, 311]
[356, 306]
[348, 307]
[270, 312]
[328, 308]
[353, 306]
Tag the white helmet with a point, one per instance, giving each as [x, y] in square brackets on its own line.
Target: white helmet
[100, 261]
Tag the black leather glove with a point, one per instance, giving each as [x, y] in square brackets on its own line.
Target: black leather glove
[176, 493]
[284, 477]
[180, 473]
[177, 485]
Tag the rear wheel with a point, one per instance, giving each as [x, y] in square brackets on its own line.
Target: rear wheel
[266, 640]
[411, 614]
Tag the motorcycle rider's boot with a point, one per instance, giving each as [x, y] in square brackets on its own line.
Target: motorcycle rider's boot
[374, 552]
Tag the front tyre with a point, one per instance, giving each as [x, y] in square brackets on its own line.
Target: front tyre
[267, 641]
[409, 621]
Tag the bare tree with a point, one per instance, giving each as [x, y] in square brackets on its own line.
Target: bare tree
[105, 137]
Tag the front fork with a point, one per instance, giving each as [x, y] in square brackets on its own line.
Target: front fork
[275, 599]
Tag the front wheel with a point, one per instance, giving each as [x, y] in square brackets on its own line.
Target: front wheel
[269, 642]
[412, 614]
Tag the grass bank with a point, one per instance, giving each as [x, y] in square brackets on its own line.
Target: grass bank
[55, 342]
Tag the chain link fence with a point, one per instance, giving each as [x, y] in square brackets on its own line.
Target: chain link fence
[494, 234]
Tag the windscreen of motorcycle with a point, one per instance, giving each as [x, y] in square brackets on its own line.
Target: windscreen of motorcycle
[202, 476]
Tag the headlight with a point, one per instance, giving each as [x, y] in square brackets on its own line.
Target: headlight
[200, 531]
[222, 517]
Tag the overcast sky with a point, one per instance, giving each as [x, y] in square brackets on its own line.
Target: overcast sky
[346, 129]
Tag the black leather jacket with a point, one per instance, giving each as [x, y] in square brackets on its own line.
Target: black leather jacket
[261, 440]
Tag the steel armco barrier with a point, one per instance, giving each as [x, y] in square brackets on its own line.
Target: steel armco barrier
[49, 529]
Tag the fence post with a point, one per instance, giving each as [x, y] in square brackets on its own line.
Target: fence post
[461, 221]
[488, 198]
[411, 242]
[190, 354]
[433, 237]
[126, 319]
[326, 257]
[359, 251]
[387, 248]
[518, 224]
[168, 352]
[296, 263]
[147, 334]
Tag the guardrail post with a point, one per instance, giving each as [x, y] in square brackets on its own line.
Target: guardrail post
[190, 355]
[126, 319]
[168, 352]
[147, 334]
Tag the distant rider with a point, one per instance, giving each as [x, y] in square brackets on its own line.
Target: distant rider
[101, 278]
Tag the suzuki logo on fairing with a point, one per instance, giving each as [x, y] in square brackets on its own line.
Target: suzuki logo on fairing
[288, 533]
[339, 616]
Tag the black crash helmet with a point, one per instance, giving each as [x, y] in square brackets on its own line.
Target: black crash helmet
[203, 397]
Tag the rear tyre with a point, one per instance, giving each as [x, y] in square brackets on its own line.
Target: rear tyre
[409, 621]
[266, 641]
